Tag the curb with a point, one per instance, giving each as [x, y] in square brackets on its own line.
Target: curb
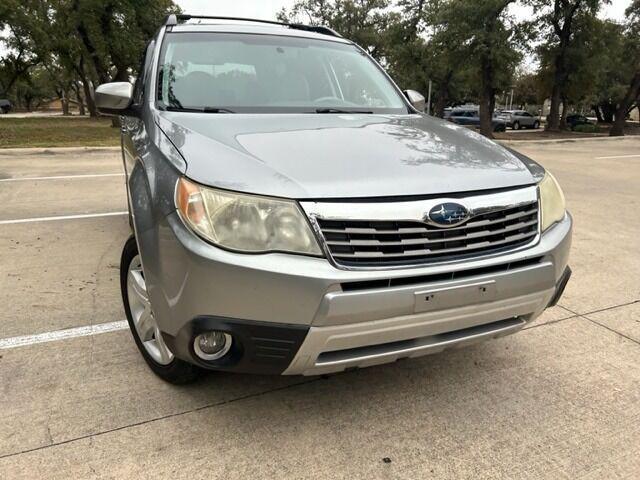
[56, 150]
[567, 140]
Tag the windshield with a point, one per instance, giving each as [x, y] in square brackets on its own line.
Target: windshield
[244, 73]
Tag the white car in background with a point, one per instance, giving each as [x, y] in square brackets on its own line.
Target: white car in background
[518, 119]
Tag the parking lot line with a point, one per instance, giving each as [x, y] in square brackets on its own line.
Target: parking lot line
[24, 340]
[61, 177]
[617, 156]
[64, 217]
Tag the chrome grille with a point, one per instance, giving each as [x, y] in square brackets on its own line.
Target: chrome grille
[356, 242]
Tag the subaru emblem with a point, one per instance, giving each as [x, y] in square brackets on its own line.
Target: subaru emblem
[448, 215]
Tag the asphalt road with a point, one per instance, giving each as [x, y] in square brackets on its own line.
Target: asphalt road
[558, 400]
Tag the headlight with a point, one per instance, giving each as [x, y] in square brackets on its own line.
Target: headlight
[246, 223]
[551, 201]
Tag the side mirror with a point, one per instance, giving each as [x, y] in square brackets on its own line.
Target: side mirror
[416, 99]
[114, 98]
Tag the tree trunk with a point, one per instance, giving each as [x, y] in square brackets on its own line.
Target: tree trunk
[76, 89]
[88, 93]
[617, 129]
[442, 96]
[608, 111]
[559, 78]
[487, 97]
[64, 100]
[596, 108]
[565, 112]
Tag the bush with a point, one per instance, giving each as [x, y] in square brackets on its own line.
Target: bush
[586, 128]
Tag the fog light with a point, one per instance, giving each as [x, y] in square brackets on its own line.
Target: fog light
[212, 345]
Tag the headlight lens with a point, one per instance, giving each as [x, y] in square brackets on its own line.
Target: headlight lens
[246, 223]
[551, 201]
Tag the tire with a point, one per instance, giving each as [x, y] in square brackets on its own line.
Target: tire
[516, 125]
[172, 370]
[536, 125]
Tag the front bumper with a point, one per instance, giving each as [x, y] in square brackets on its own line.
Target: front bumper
[332, 319]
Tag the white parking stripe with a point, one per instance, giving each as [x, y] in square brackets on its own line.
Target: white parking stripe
[617, 156]
[61, 177]
[65, 217]
[86, 331]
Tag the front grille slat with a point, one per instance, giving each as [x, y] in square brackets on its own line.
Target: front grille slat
[408, 253]
[384, 242]
[425, 241]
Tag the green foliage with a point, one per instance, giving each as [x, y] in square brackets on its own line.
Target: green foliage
[363, 21]
[420, 40]
[76, 41]
[586, 128]
[470, 50]
[527, 90]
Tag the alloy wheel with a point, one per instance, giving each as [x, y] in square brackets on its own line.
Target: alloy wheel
[142, 315]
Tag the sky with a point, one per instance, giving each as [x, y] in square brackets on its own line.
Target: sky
[268, 9]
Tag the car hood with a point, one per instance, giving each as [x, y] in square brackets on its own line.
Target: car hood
[313, 156]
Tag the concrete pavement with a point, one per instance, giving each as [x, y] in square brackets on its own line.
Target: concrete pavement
[558, 400]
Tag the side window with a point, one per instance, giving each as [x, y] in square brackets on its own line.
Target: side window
[143, 73]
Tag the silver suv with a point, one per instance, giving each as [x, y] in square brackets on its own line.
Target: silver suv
[518, 119]
[294, 212]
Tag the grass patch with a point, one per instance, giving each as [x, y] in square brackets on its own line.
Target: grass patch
[57, 132]
[586, 128]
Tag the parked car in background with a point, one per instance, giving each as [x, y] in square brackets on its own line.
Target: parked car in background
[471, 117]
[574, 120]
[518, 119]
[5, 105]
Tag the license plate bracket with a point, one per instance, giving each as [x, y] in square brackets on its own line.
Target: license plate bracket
[440, 298]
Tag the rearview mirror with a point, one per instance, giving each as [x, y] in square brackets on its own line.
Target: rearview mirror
[114, 98]
[416, 99]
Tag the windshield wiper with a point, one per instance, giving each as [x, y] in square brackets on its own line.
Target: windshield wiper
[339, 110]
[199, 109]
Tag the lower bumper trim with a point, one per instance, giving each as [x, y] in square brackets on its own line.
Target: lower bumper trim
[418, 346]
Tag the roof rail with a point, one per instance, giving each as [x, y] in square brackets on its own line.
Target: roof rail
[174, 19]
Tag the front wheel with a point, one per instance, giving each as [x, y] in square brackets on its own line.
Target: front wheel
[516, 125]
[144, 328]
[536, 125]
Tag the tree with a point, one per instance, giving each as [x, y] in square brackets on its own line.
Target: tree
[527, 90]
[363, 21]
[488, 38]
[82, 42]
[20, 57]
[558, 24]
[422, 49]
[632, 51]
